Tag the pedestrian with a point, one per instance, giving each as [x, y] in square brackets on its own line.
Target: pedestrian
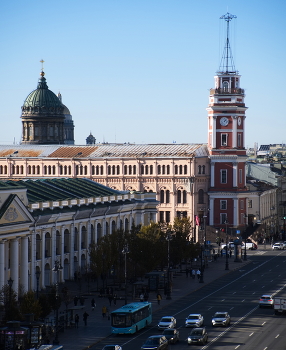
[187, 272]
[93, 305]
[75, 300]
[193, 273]
[159, 298]
[76, 320]
[85, 316]
[141, 297]
[114, 299]
[103, 311]
[230, 253]
[198, 273]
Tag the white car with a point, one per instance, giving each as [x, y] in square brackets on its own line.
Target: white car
[266, 300]
[278, 246]
[194, 320]
[221, 319]
[167, 322]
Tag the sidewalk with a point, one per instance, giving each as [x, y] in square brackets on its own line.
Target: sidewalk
[98, 328]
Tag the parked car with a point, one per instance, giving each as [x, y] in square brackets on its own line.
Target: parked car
[167, 322]
[266, 300]
[278, 246]
[194, 320]
[155, 342]
[172, 334]
[249, 245]
[198, 336]
[284, 244]
[221, 319]
[112, 347]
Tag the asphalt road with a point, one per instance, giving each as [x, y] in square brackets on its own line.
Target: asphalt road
[252, 328]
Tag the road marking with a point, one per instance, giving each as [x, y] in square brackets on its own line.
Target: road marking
[251, 334]
[242, 300]
[243, 286]
[263, 323]
[277, 336]
[237, 346]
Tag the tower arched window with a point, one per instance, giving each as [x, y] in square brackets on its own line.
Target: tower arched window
[163, 169]
[92, 170]
[134, 169]
[142, 169]
[97, 170]
[29, 169]
[201, 196]
[101, 170]
[179, 197]
[125, 169]
[45, 170]
[225, 86]
[130, 169]
[118, 170]
[167, 196]
[33, 170]
[184, 196]
[162, 196]
[151, 169]
[85, 170]
[22, 169]
[109, 170]
[69, 169]
[181, 169]
[199, 169]
[113, 169]
[203, 169]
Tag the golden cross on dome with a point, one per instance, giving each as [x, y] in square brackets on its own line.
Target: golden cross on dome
[42, 61]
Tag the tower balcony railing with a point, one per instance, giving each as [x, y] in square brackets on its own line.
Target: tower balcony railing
[222, 91]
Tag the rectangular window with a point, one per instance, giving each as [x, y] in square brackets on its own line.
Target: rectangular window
[161, 216]
[223, 218]
[242, 219]
[223, 204]
[238, 140]
[168, 216]
[223, 176]
[250, 203]
[240, 176]
[242, 204]
[224, 139]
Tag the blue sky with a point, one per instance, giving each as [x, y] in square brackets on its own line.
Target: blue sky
[140, 71]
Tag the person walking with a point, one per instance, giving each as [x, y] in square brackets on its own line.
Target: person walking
[193, 274]
[198, 273]
[76, 320]
[93, 305]
[85, 316]
[141, 297]
[159, 298]
[103, 311]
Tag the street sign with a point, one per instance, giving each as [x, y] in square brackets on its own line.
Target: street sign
[237, 232]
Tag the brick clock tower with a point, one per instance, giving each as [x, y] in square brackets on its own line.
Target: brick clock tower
[226, 144]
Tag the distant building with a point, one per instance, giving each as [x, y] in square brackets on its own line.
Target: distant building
[90, 140]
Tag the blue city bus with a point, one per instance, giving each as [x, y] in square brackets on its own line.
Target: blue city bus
[131, 318]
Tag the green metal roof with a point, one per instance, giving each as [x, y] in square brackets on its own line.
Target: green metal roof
[62, 189]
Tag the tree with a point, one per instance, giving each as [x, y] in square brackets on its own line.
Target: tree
[8, 297]
[30, 305]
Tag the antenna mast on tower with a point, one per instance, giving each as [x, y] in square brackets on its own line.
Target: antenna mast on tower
[227, 63]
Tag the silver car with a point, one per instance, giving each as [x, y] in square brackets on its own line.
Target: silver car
[221, 319]
[167, 322]
[266, 300]
[194, 320]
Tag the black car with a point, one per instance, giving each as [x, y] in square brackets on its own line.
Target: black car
[155, 342]
[172, 335]
[198, 336]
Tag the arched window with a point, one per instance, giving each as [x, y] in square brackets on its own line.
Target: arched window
[22, 169]
[203, 169]
[45, 170]
[113, 170]
[142, 169]
[101, 170]
[185, 169]
[66, 241]
[54, 170]
[163, 169]
[92, 170]
[81, 170]
[168, 169]
[176, 169]
[162, 196]
[69, 169]
[125, 169]
[75, 239]
[118, 170]
[201, 196]
[33, 170]
[17, 169]
[49, 170]
[126, 223]
[181, 169]
[146, 169]
[159, 169]
[167, 196]
[179, 197]
[151, 169]
[48, 244]
[97, 170]
[225, 86]
[106, 228]
[199, 169]
[29, 169]
[113, 226]
[38, 170]
[184, 196]
[60, 170]
[99, 231]
[130, 169]
[109, 170]
[134, 169]
[85, 170]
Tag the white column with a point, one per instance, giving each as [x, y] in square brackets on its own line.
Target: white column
[211, 212]
[72, 251]
[24, 270]
[214, 132]
[53, 253]
[235, 211]
[234, 175]
[79, 246]
[14, 263]
[62, 251]
[234, 132]
[2, 264]
[43, 257]
[212, 175]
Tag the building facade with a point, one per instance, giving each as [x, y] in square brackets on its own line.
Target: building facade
[43, 221]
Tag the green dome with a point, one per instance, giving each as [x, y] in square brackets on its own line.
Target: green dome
[42, 100]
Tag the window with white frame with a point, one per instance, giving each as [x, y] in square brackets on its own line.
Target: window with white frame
[223, 204]
[224, 139]
[223, 176]
[250, 203]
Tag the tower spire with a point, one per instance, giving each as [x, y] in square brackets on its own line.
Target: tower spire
[227, 63]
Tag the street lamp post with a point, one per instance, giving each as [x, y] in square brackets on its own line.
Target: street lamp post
[125, 251]
[38, 273]
[57, 267]
[202, 269]
[226, 247]
[168, 238]
[245, 238]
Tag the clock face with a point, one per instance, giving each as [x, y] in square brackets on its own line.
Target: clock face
[239, 121]
[224, 121]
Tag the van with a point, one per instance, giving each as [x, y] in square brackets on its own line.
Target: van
[249, 245]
